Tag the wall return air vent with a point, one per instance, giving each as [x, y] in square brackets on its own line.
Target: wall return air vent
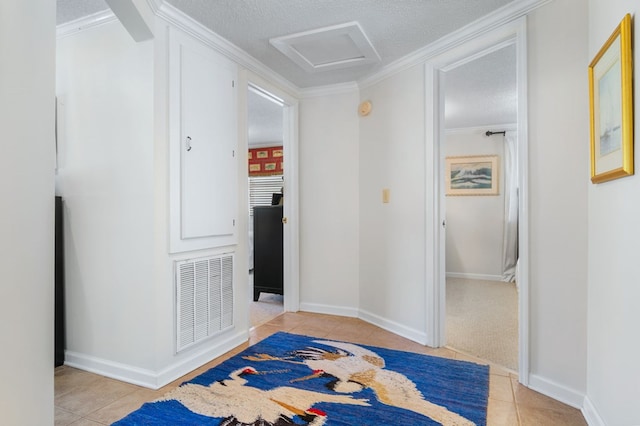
[204, 298]
[329, 48]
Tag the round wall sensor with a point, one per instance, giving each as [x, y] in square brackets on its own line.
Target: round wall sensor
[364, 108]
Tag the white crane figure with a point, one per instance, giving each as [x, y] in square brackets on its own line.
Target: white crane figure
[242, 405]
[356, 368]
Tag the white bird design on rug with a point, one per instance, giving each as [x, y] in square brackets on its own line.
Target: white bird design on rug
[356, 368]
[244, 405]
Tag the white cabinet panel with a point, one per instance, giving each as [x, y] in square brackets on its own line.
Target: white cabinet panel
[203, 141]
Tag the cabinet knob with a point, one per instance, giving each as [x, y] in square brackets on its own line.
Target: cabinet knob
[284, 220]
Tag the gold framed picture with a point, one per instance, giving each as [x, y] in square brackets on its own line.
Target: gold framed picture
[473, 175]
[611, 107]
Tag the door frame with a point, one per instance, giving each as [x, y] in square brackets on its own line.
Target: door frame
[513, 32]
[291, 253]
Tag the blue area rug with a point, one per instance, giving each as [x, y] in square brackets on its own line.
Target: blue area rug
[289, 379]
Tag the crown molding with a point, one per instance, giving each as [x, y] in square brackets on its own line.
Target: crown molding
[499, 17]
[155, 5]
[177, 18]
[264, 144]
[328, 90]
[84, 23]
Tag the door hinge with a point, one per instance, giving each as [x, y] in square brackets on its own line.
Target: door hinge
[234, 222]
[233, 153]
[233, 83]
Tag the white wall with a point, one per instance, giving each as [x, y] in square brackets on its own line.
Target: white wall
[114, 176]
[558, 180]
[392, 245]
[613, 372]
[27, 48]
[328, 164]
[106, 179]
[392, 235]
[475, 225]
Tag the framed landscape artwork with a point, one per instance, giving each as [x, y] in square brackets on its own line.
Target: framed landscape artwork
[474, 175]
[611, 107]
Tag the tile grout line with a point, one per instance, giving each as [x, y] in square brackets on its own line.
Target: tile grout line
[515, 401]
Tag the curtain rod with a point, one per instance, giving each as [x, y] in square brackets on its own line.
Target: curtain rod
[490, 133]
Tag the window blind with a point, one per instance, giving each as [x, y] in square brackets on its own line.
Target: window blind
[261, 189]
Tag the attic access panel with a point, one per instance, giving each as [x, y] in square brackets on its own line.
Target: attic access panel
[328, 48]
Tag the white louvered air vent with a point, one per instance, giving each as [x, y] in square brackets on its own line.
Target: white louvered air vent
[204, 297]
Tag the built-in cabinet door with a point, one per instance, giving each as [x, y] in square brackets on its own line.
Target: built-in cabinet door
[203, 146]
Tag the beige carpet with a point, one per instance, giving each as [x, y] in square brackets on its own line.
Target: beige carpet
[266, 308]
[482, 320]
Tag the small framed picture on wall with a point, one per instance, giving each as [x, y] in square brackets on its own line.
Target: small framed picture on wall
[473, 175]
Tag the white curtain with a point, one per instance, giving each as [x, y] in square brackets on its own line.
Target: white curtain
[510, 244]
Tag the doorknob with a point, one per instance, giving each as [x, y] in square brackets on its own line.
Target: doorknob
[284, 220]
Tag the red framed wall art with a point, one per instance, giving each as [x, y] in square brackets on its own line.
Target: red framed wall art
[266, 161]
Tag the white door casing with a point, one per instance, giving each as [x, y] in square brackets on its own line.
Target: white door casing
[513, 32]
[291, 257]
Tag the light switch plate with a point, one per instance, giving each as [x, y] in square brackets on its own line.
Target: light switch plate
[385, 195]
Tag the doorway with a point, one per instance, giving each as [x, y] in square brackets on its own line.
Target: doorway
[272, 125]
[480, 114]
[513, 33]
[266, 186]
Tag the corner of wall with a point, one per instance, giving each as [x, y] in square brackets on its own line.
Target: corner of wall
[591, 414]
[556, 391]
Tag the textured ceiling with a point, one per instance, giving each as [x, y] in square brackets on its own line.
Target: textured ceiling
[265, 120]
[482, 92]
[478, 93]
[395, 27]
[70, 10]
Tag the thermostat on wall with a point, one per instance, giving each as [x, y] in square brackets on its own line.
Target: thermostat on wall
[365, 108]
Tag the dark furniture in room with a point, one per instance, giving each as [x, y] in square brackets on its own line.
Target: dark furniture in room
[59, 285]
[267, 250]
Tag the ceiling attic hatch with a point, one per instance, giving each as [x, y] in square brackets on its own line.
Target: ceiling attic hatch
[329, 48]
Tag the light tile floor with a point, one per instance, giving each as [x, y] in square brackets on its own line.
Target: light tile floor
[83, 398]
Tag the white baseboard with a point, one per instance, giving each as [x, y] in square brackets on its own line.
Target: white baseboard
[199, 358]
[115, 370]
[394, 327]
[319, 308]
[468, 276]
[149, 378]
[591, 414]
[556, 391]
